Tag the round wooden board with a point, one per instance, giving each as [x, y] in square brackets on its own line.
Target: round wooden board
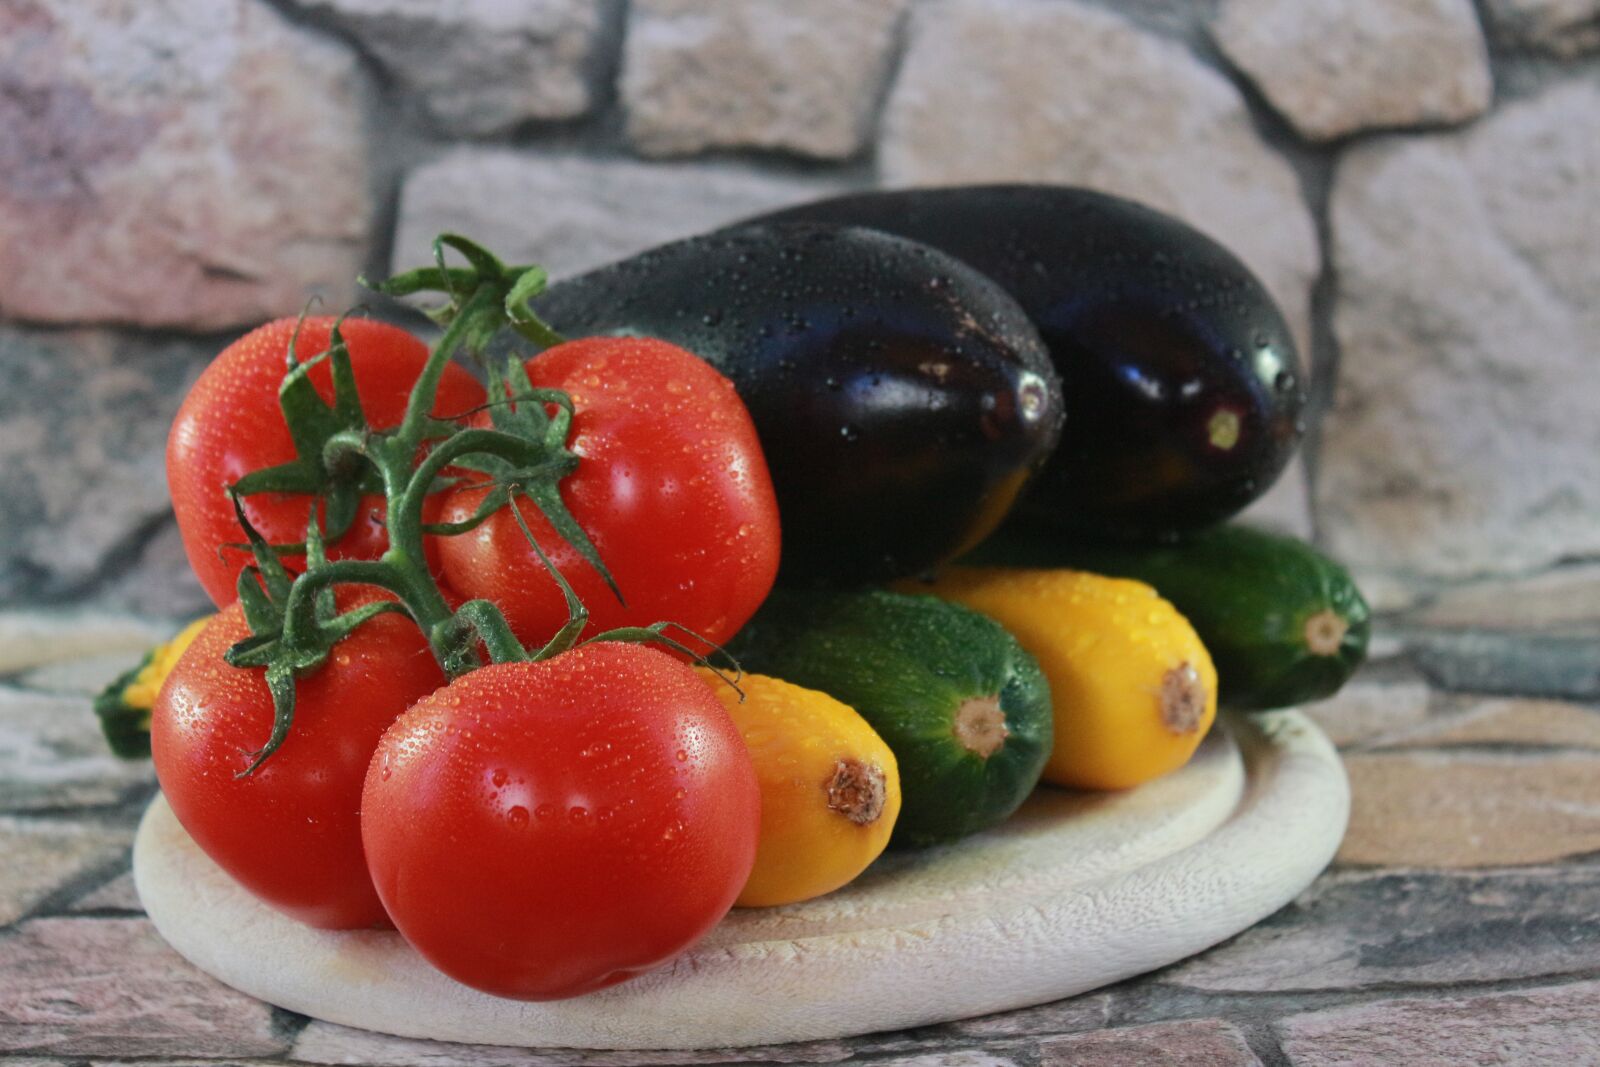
[1074, 892]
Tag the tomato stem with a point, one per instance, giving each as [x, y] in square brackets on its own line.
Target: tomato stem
[484, 299]
[489, 625]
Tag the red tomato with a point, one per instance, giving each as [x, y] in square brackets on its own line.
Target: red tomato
[672, 488]
[542, 830]
[290, 833]
[230, 425]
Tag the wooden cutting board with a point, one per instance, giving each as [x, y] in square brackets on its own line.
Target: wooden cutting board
[1076, 891]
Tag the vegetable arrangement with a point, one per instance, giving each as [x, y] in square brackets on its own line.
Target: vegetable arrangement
[468, 679]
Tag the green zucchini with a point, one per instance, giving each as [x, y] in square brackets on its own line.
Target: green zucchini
[964, 709]
[1284, 624]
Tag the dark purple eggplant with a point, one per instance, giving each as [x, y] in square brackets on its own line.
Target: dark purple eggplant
[902, 399]
[1183, 389]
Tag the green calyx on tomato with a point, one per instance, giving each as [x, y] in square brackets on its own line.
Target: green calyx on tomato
[340, 475]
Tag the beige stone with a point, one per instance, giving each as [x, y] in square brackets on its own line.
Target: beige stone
[175, 164]
[1057, 91]
[1551, 1025]
[481, 66]
[1464, 809]
[802, 76]
[571, 214]
[30, 639]
[1338, 66]
[1463, 438]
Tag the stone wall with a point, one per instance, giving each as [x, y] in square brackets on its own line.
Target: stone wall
[1418, 182]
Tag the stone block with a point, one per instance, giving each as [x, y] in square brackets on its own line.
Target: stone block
[1058, 91]
[1463, 440]
[1339, 66]
[175, 164]
[801, 76]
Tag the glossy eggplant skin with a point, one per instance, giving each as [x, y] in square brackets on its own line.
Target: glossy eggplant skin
[1183, 388]
[901, 398]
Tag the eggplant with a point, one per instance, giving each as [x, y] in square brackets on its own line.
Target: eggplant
[1183, 389]
[902, 399]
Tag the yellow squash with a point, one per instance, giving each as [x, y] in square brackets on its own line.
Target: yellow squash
[141, 691]
[830, 789]
[1134, 690]
[124, 705]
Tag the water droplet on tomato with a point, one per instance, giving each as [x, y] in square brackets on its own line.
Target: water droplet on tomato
[500, 777]
[578, 814]
[517, 815]
[683, 756]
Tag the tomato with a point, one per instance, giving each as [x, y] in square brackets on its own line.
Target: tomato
[671, 487]
[290, 832]
[542, 830]
[230, 425]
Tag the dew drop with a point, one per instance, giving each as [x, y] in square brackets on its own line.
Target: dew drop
[517, 815]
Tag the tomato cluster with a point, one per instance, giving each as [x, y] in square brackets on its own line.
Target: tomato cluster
[539, 826]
